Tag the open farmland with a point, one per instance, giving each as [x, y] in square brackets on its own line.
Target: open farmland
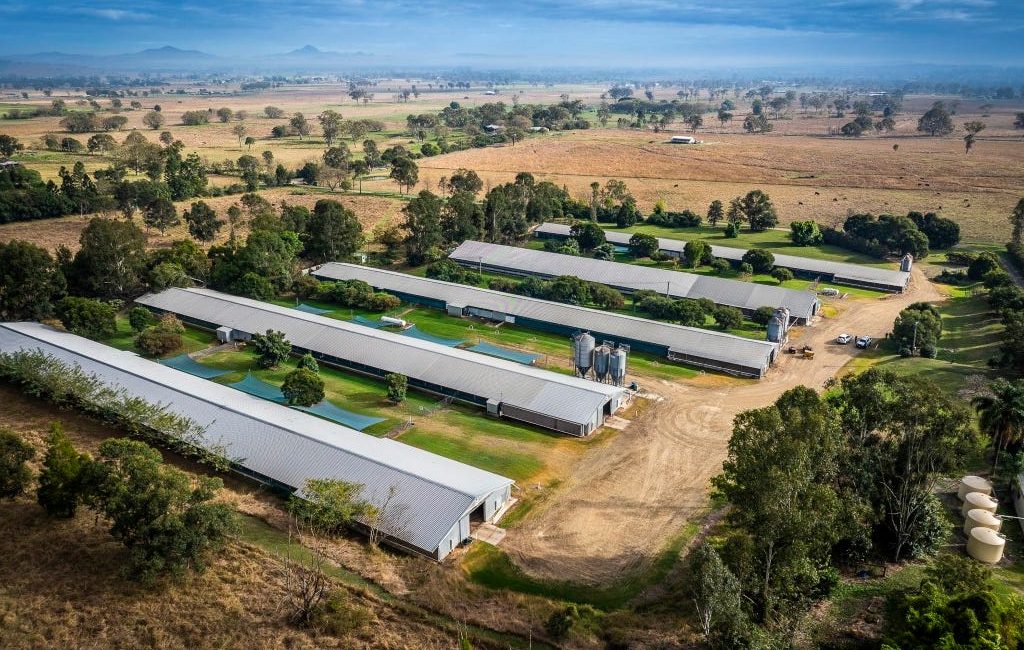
[807, 175]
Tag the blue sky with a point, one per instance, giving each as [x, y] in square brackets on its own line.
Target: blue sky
[584, 33]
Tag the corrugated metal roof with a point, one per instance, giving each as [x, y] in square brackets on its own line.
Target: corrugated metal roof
[468, 372]
[714, 346]
[632, 277]
[897, 280]
[284, 444]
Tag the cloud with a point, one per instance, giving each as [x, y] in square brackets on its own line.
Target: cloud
[112, 14]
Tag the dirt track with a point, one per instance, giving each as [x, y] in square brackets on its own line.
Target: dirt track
[624, 500]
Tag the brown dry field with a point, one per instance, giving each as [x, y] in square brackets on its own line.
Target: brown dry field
[808, 174]
[59, 583]
[51, 233]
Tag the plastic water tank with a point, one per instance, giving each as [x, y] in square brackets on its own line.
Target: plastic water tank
[970, 484]
[618, 366]
[602, 361]
[583, 352]
[981, 518]
[985, 545]
[978, 500]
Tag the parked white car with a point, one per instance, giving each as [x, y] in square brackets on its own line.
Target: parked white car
[843, 339]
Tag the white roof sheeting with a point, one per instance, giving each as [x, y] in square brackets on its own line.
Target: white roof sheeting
[714, 346]
[541, 391]
[284, 444]
[632, 277]
[857, 273]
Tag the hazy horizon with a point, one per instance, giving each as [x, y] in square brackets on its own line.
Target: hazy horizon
[538, 33]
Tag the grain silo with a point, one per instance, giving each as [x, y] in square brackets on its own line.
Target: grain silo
[981, 518]
[978, 500]
[602, 361]
[583, 352]
[618, 365]
[985, 545]
[778, 326]
[970, 484]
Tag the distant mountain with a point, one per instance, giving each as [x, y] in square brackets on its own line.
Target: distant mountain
[162, 59]
[307, 50]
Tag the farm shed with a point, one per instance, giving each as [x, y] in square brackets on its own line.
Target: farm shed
[844, 273]
[434, 498]
[747, 296]
[699, 347]
[683, 139]
[540, 397]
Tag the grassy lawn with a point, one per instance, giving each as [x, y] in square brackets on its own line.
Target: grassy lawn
[458, 432]
[776, 241]
[192, 340]
[970, 337]
[492, 568]
[438, 323]
[757, 278]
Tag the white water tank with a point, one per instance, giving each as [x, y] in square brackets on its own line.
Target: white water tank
[985, 545]
[978, 500]
[393, 321]
[981, 518]
[970, 484]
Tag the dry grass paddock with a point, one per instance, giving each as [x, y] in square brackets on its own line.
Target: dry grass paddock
[808, 174]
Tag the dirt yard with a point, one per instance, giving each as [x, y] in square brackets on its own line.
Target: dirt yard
[624, 500]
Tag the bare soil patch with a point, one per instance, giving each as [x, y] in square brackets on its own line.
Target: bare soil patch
[624, 500]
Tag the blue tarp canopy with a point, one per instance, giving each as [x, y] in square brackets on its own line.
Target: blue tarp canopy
[416, 333]
[310, 309]
[259, 388]
[185, 363]
[329, 411]
[362, 320]
[505, 353]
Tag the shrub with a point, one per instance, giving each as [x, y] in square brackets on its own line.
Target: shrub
[303, 387]
[782, 275]
[15, 476]
[696, 252]
[728, 317]
[929, 351]
[308, 362]
[606, 297]
[720, 265]
[503, 284]
[304, 286]
[164, 517]
[762, 315]
[382, 302]
[61, 485]
[643, 245]
[140, 318]
[746, 269]
[397, 385]
[732, 231]
[759, 260]
[271, 348]
[87, 317]
[604, 252]
[984, 263]
[155, 342]
[805, 233]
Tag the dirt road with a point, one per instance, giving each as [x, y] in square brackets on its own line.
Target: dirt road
[624, 500]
